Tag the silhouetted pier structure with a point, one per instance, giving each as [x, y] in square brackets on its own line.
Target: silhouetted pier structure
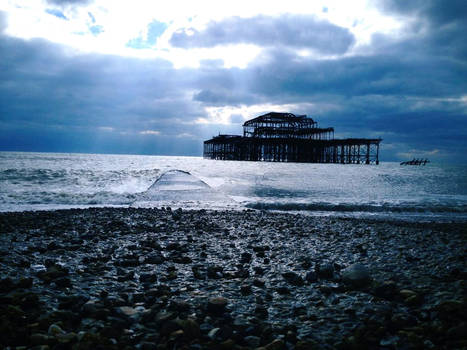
[285, 137]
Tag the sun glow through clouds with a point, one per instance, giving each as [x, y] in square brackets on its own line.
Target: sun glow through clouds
[124, 28]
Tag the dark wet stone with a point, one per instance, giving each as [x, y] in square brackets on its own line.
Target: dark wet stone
[6, 285]
[458, 331]
[283, 290]
[299, 309]
[177, 214]
[158, 291]
[260, 248]
[40, 339]
[25, 299]
[52, 272]
[173, 246]
[261, 311]
[214, 271]
[154, 259]
[148, 277]
[63, 282]
[55, 329]
[95, 310]
[128, 262]
[217, 305]
[259, 271]
[169, 327]
[126, 276]
[258, 283]
[54, 246]
[180, 306]
[181, 259]
[310, 345]
[252, 341]
[151, 243]
[24, 282]
[242, 273]
[205, 327]
[325, 270]
[146, 345]
[214, 333]
[450, 308]
[400, 320]
[22, 263]
[66, 339]
[311, 277]
[277, 344]
[387, 290]
[73, 302]
[356, 275]
[293, 278]
[198, 272]
[306, 262]
[190, 328]
[245, 289]
[245, 257]
[220, 333]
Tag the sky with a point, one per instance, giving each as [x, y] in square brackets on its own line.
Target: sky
[157, 77]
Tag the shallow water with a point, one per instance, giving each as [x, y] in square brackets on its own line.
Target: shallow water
[31, 181]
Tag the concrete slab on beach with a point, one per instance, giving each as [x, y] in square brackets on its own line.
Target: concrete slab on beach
[177, 188]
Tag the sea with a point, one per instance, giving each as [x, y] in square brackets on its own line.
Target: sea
[49, 181]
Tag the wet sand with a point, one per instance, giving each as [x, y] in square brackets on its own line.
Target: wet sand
[171, 279]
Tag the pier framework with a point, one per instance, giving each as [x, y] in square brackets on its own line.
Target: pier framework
[285, 137]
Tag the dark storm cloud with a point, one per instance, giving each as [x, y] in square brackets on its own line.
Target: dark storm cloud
[302, 31]
[391, 73]
[97, 99]
[437, 11]
[443, 23]
[222, 97]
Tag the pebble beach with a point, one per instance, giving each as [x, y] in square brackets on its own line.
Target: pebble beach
[127, 278]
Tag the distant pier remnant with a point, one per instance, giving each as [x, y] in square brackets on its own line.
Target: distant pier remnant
[416, 162]
[285, 137]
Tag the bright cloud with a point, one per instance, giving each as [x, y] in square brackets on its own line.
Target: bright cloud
[150, 132]
[146, 29]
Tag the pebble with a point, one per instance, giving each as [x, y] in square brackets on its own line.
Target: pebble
[252, 341]
[356, 275]
[387, 290]
[217, 305]
[293, 278]
[311, 277]
[325, 271]
[54, 330]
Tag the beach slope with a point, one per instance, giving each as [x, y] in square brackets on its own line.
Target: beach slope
[162, 278]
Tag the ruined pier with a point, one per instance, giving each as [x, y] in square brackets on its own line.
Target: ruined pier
[285, 137]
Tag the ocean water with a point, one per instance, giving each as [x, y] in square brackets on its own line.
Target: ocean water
[38, 181]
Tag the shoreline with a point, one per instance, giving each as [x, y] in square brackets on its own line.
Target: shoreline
[116, 277]
[380, 216]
